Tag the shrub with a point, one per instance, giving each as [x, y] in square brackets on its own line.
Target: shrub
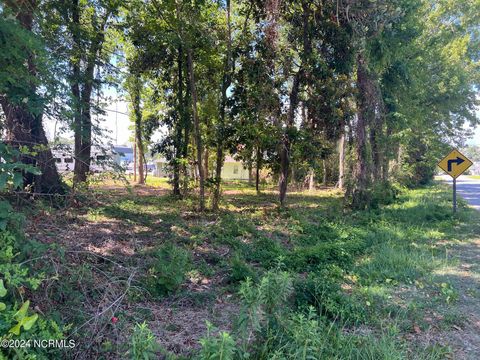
[323, 292]
[240, 270]
[304, 336]
[383, 193]
[168, 269]
[317, 256]
[263, 307]
[220, 347]
[17, 321]
[143, 344]
[284, 318]
[265, 251]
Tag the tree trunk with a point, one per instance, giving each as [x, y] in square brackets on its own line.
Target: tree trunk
[205, 161]
[293, 176]
[180, 124]
[83, 153]
[388, 152]
[181, 148]
[341, 159]
[360, 198]
[140, 154]
[220, 140]
[285, 146]
[198, 135]
[218, 177]
[284, 162]
[135, 161]
[324, 163]
[76, 94]
[85, 81]
[135, 97]
[257, 170]
[250, 173]
[187, 171]
[311, 179]
[375, 166]
[77, 120]
[24, 128]
[141, 167]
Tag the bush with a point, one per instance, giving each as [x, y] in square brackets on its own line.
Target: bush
[265, 251]
[317, 256]
[271, 328]
[240, 270]
[262, 308]
[220, 347]
[383, 193]
[168, 270]
[322, 291]
[143, 344]
[17, 320]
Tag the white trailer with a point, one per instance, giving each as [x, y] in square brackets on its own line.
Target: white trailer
[100, 159]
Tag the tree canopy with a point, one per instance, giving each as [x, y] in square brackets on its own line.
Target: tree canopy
[357, 93]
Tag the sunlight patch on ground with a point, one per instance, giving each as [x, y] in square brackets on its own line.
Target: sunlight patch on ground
[461, 271]
[111, 247]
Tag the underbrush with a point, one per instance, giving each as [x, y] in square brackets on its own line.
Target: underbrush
[328, 278]
[168, 270]
[271, 326]
[337, 277]
[313, 281]
[20, 323]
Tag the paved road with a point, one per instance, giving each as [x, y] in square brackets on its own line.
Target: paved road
[469, 189]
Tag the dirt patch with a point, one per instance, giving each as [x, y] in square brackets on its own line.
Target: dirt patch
[179, 327]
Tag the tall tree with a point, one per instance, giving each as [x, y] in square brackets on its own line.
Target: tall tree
[77, 34]
[133, 85]
[221, 133]
[196, 124]
[368, 21]
[20, 100]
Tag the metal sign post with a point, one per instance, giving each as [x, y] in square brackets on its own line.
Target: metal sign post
[454, 195]
[455, 164]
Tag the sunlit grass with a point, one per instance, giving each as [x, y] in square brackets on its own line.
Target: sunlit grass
[395, 252]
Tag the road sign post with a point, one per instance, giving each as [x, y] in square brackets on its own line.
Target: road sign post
[455, 164]
[454, 196]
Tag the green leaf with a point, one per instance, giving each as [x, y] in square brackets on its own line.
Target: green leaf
[16, 329]
[29, 321]
[2, 306]
[36, 171]
[3, 291]
[22, 312]
[17, 179]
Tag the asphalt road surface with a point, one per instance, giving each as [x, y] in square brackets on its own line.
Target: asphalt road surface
[469, 189]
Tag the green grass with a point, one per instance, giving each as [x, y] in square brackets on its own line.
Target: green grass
[355, 268]
[158, 182]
